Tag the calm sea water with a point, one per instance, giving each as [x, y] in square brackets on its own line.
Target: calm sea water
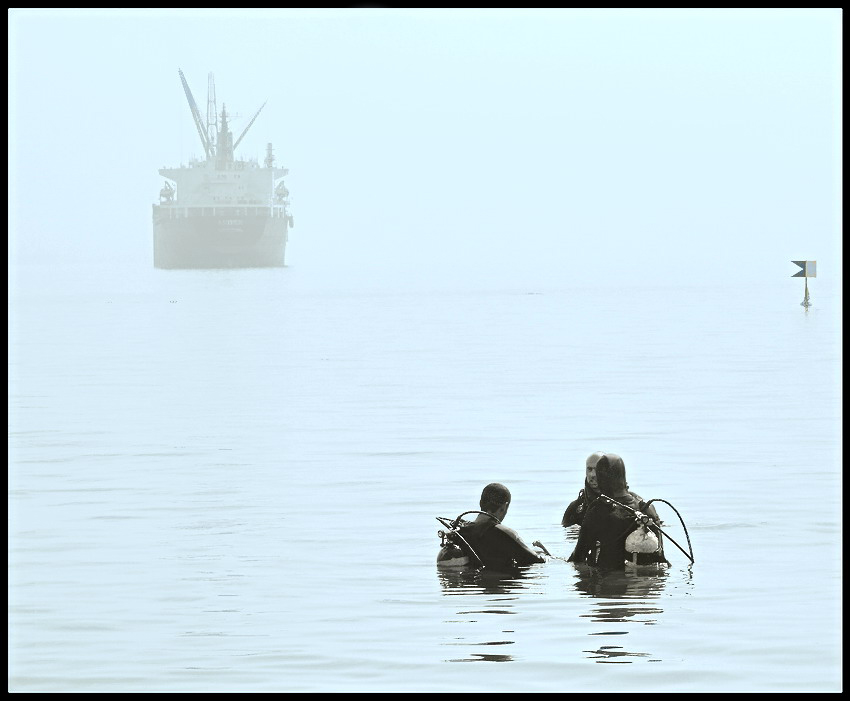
[228, 481]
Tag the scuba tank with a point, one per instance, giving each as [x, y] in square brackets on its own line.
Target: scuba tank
[452, 555]
[455, 551]
[643, 523]
[643, 547]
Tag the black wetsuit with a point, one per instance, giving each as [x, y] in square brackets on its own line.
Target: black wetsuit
[602, 538]
[498, 547]
[574, 515]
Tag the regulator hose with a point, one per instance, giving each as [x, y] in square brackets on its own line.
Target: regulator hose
[643, 518]
[682, 521]
[453, 528]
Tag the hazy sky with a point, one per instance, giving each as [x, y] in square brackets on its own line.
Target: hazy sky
[536, 145]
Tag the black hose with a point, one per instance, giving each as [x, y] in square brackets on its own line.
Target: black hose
[643, 518]
[457, 520]
[453, 527]
[664, 501]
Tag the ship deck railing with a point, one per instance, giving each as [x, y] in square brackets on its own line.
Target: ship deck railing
[176, 211]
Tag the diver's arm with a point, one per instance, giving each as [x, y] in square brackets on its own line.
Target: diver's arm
[586, 538]
[574, 512]
[524, 554]
[579, 553]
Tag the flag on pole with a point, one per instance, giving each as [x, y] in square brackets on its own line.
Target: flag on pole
[808, 268]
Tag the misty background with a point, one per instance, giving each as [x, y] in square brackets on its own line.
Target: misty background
[520, 236]
[545, 147]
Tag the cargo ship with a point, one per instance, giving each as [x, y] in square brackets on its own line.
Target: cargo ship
[222, 211]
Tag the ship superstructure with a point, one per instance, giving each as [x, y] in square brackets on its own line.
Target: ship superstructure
[222, 211]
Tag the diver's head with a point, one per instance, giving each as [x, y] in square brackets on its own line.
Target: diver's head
[495, 499]
[611, 475]
[590, 469]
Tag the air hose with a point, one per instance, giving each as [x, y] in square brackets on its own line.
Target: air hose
[455, 531]
[645, 520]
[682, 521]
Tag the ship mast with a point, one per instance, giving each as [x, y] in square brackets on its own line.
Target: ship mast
[212, 116]
[216, 137]
[225, 141]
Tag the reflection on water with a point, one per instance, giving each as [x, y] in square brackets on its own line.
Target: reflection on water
[614, 653]
[483, 581]
[620, 597]
[500, 592]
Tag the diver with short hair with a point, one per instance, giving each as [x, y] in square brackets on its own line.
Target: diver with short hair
[493, 545]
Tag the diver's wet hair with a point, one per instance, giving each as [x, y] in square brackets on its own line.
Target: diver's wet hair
[611, 474]
[494, 496]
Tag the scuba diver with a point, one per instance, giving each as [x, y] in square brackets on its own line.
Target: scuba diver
[486, 542]
[617, 531]
[574, 515]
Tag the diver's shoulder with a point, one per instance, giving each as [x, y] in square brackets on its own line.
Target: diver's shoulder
[502, 528]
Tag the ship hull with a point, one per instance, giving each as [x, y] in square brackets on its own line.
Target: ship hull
[196, 238]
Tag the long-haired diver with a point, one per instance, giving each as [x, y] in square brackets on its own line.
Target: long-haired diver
[617, 532]
[574, 514]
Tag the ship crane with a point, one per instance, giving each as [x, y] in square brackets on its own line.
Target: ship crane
[215, 134]
[245, 131]
[209, 147]
[210, 133]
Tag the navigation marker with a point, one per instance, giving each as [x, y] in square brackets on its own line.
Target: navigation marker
[808, 268]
